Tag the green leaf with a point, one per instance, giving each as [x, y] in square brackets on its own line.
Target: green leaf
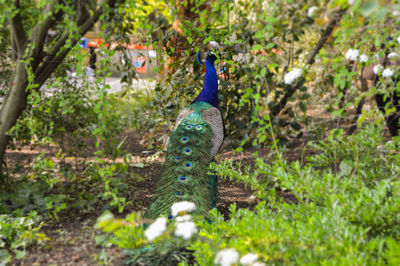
[5, 257]
[259, 35]
[208, 39]
[257, 47]
[344, 169]
[270, 45]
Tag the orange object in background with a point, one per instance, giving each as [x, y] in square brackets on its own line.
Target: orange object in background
[140, 63]
[263, 52]
[96, 42]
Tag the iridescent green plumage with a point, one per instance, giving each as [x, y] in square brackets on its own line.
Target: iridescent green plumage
[184, 176]
[193, 144]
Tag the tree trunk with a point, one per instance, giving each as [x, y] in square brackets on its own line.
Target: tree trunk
[13, 107]
[16, 100]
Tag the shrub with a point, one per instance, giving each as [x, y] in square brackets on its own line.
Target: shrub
[343, 209]
[18, 233]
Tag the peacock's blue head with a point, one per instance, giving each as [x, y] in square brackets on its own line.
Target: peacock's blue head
[212, 56]
[209, 93]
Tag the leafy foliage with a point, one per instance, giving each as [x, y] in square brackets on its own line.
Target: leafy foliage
[343, 210]
[125, 233]
[334, 207]
[17, 234]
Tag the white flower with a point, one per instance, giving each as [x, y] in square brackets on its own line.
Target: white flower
[312, 10]
[233, 37]
[252, 17]
[182, 206]
[351, 2]
[292, 75]
[214, 44]
[71, 74]
[227, 257]
[363, 58]
[395, 13]
[393, 54]
[352, 54]
[248, 259]
[377, 69]
[89, 72]
[156, 229]
[398, 39]
[184, 218]
[185, 229]
[387, 73]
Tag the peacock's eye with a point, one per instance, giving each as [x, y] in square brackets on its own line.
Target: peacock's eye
[188, 164]
[184, 140]
[177, 158]
[184, 179]
[189, 127]
[199, 127]
[180, 193]
[187, 151]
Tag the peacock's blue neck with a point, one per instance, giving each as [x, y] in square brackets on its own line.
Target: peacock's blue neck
[209, 93]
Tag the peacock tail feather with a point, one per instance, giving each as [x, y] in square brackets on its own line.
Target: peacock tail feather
[189, 153]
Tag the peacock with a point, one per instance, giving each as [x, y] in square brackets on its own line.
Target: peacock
[194, 142]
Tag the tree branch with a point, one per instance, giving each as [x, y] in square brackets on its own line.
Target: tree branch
[40, 33]
[18, 31]
[56, 56]
[14, 48]
[322, 40]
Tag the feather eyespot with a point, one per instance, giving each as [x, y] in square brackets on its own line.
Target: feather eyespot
[197, 142]
[181, 195]
[184, 140]
[188, 127]
[184, 179]
[187, 151]
[187, 165]
[177, 158]
[199, 127]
